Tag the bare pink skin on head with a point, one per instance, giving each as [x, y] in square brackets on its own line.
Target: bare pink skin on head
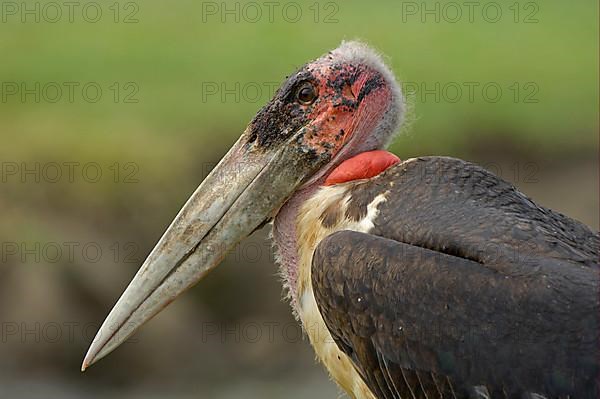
[341, 109]
[358, 108]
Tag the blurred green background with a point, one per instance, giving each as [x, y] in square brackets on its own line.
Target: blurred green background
[91, 177]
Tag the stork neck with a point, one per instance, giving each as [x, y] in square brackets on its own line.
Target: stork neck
[286, 240]
[360, 165]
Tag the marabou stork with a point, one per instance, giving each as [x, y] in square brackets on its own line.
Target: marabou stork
[425, 278]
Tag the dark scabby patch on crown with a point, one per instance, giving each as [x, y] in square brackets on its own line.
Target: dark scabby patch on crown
[373, 83]
[347, 76]
[282, 116]
[341, 85]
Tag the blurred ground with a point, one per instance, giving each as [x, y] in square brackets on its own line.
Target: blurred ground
[89, 182]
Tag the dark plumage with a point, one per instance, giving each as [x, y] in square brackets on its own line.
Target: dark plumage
[463, 282]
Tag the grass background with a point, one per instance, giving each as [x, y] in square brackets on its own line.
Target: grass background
[176, 130]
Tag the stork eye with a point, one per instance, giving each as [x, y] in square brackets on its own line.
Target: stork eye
[306, 93]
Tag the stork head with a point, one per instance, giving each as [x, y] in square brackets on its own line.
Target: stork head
[344, 103]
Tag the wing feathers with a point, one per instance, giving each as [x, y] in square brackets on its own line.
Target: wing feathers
[422, 312]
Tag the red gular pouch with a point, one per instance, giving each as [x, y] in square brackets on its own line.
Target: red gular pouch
[363, 166]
